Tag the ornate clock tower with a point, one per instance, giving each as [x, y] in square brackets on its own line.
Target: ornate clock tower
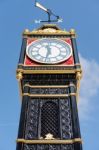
[49, 73]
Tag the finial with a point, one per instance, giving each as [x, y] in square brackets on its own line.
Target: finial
[26, 31]
[72, 31]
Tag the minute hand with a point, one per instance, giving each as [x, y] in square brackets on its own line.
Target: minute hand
[48, 51]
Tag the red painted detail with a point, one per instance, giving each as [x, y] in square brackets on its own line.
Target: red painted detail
[68, 62]
[29, 62]
[68, 40]
[30, 40]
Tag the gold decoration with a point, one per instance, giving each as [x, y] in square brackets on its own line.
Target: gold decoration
[26, 31]
[49, 86]
[78, 77]
[47, 32]
[47, 29]
[49, 71]
[72, 31]
[54, 141]
[19, 75]
[48, 95]
[49, 136]
[50, 30]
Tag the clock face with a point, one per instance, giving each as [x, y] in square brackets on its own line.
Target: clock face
[49, 51]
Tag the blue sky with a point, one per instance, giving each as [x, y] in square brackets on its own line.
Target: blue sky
[83, 16]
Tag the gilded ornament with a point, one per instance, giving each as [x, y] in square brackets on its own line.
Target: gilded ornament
[26, 31]
[19, 75]
[72, 31]
[49, 136]
[55, 141]
[78, 75]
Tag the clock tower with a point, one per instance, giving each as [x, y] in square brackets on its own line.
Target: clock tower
[49, 74]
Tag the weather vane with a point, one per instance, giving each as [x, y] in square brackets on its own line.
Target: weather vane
[49, 13]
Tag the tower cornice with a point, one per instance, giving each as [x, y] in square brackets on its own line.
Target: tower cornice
[49, 29]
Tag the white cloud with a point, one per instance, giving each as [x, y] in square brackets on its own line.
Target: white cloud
[89, 87]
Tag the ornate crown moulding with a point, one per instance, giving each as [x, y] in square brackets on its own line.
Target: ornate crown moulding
[45, 31]
[49, 29]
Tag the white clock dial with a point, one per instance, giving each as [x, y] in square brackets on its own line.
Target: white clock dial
[49, 51]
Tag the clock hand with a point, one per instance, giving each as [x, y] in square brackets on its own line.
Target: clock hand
[48, 51]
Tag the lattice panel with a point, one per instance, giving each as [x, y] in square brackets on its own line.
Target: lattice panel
[50, 119]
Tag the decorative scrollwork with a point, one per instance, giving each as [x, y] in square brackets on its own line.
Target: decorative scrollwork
[65, 115]
[48, 79]
[54, 147]
[32, 120]
[67, 147]
[48, 90]
[48, 147]
[30, 147]
[42, 147]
